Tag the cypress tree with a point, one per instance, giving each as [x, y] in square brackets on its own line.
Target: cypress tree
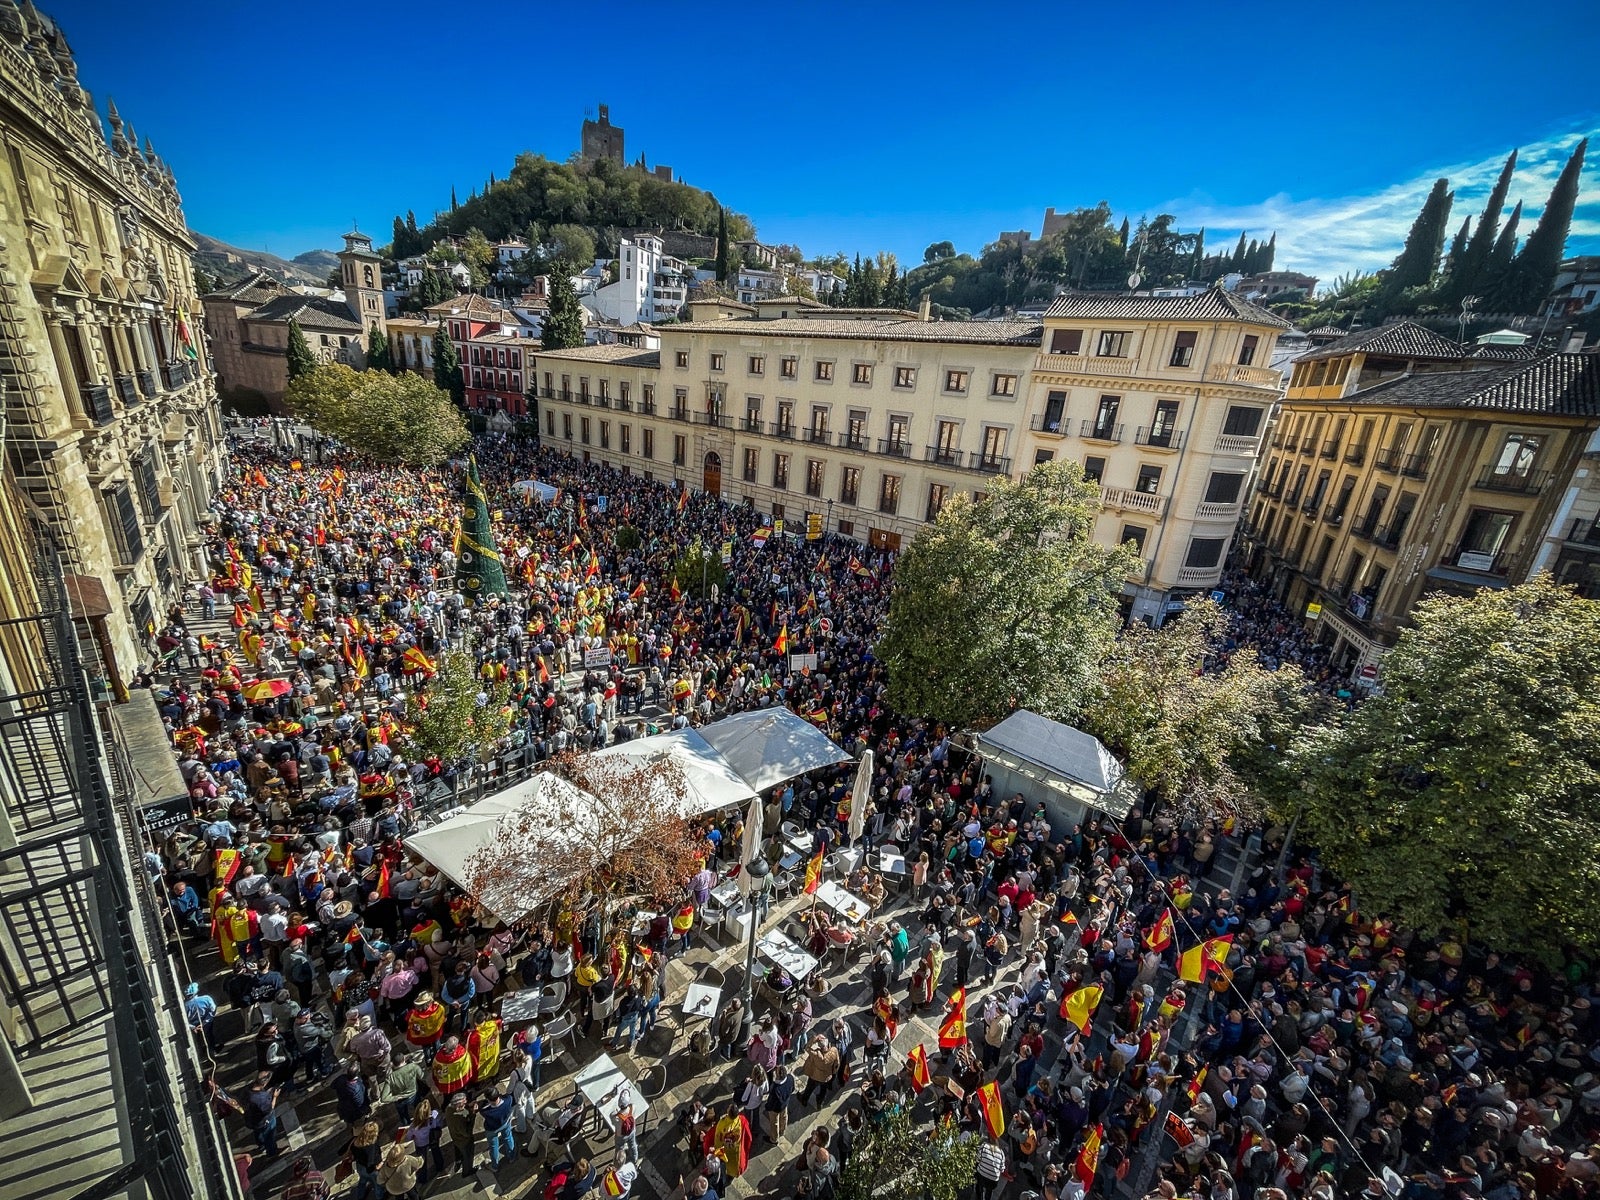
[1122, 238]
[563, 326]
[1269, 252]
[447, 367]
[1198, 259]
[298, 353]
[1251, 257]
[1236, 263]
[1416, 263]
[453, 204]
[1469, 274]
[1497, 273]
[725, 264]
[1455, 260]
[1528, 281]
[399, 242]
[378, 351]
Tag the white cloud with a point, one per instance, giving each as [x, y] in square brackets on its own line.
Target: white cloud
[1328, 236]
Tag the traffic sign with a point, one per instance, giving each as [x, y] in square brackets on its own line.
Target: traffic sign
[727, 553]
[824, 625]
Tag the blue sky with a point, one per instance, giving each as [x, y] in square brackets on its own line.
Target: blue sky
[863, 126]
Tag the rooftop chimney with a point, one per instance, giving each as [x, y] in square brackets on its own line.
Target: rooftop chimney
[925, 308]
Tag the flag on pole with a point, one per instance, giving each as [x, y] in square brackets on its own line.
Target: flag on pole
[1089, 1157]
[544, 671]
[383, 881]
[227, 866]
[814, 872]
[240, 618]
[1159, 936]
[1197, 962]
[683, 497]
[994, 1113]
[593, 568]
[781, 646]
[1179, 1131]
[674, 593]
[416, 662]
[1192, 1090]
[953, 1029]
[738, 629]
[917, 1060]
[1078, 1006]
[360, 663]
[638, 592]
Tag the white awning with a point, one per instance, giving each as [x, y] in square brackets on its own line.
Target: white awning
[710, 782]
[767, 746]
[1063, 759]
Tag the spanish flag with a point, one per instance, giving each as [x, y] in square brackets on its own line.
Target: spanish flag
[809, 605]
[247, 577]
[1078, 1006]
[781, 646]
[814, 872]
[674, 591]
[258, 602]
[917, 1061]
[683, 497]
[1200, 961]
[1089, 1157]
[260, 478]
[416, 662]
[953, 1030]
[227, 866]
[738, 629]
[280, 622]
[383, 881]
[240, 618]
[593, 568]
[360, 662]
[572, 546]
[638, 591]
[1195, 1084]
[544, 671]
[992, 1111]
[1159, 935]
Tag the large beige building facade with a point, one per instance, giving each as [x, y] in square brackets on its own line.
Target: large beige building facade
[875, 420]
[111, 429]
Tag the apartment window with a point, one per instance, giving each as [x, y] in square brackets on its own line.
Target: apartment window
[1400, 518]
[1055, 407]
[123, 518]
[605, 391]
[583, 430]
[786, 417]
[850, 485]
[605, 435]
[1113, 344]
[947, 441]
[848, 528]
[860, 372]
[994, 445]
[1247, 350]
[1431, 437]
[1149, 479]
[550, 422]
[1375, 503]
[777, 512]
[1165, 423]
[149, 486]
[1066, 341]
[758, 364]
[680, 449]
[680, 402]
[889, 494]
[819, 423]
[1094, 467]
[1105, 418]
[19, 172]
[566, 426]
[815, 470]
[938, 495]
[856, 428]
[1004, 385]
[1484, 537]
[899, 433]
[1183, 348]
[905, 377]
[1517, 455]
[624, 392]
[1320, 492]
[956, 381]
[681, 358]
[1299, 485]
[1323, 556]
[648, 395]
[1204, 552]
[625, 436]
[1042, 456]
[752, 463]
[780, 471]
[1347, 488]
[789, 368]
[549, 384]
[824, 371]
[717, 361]
[1224, 487]
[647, 442]
[1135, 534]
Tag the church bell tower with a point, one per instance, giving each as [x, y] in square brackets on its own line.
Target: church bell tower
[361, 271]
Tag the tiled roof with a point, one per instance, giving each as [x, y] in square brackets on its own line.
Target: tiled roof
[1566, 385]
[725, 301]
[792, 301]
[626, 356]
[256, 288]
[1403, 339]
[1501, 352]
[1326, 331]
[471, 305]
[311, 312]
[995, 333]
[1213, 304]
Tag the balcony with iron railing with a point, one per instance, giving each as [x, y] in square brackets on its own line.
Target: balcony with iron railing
[176, 374]
[990, 464]
[1166, 438]
[1524, 483]
[1234, 443]
[894, 448]
[752, 423]
[945, 456]
[818, 436]
[715, 420]
[781, 429]
[1334, 514]
[1388, 459]
[1330, 449]
[647, 408]
[1367, 530]
[1101, 431]
[1414, 466]
[854, 441]
[681, 413]
[1355, 455]
[1057, 426]
[1389, 536]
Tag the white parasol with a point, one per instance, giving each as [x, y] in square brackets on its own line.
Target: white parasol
[752, 844]
[860, 795]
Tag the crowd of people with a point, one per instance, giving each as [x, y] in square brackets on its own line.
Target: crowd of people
[1315, 1050]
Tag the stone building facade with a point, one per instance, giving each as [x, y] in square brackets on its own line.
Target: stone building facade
[111, 432]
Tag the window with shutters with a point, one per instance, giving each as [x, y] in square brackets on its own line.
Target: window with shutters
[149, 488]
[1066, 341]
[1205, 552]
[123, 518]
[1183, 348]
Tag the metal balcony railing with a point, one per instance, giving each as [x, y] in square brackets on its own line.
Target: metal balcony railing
[1526, 483]
[1166, 438]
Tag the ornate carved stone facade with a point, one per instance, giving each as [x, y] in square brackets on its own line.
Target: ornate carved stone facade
[111, 429]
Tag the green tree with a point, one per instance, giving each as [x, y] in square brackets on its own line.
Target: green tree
[1532, 272]
[699, 569]
[435, 287]
[1178, 729]
[204, 281]
[1466, 794]
[478, 254]
[447, 374]
[563, 324]
[727, 260]
[896, 1159]
[445, 717]
[394, 419]
[627, 538]
[574, 247]
[1498, 273]
[1005, 603]
[1469, 270]
[938, 252]
[298, 353]
[1418, 260]
[378, 351]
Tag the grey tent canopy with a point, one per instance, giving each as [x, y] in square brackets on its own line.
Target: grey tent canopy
[766, 746]
[1064, 759]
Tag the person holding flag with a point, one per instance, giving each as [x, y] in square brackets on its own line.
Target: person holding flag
[814, 873]
[953, 1030]
[917, 1069]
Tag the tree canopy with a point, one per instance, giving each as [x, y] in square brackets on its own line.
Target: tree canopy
[447, 376]
[396, 419]
[445, 717]
[1005, 603]
[563, 324]
[1466, 794]
[298, 353]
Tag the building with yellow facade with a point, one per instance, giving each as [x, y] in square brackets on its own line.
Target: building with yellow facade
[1404, 464]
[873, 420]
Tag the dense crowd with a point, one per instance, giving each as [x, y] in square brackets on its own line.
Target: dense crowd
[1315, 1051]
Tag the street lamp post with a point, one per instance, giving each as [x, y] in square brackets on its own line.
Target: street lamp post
[760, 878]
